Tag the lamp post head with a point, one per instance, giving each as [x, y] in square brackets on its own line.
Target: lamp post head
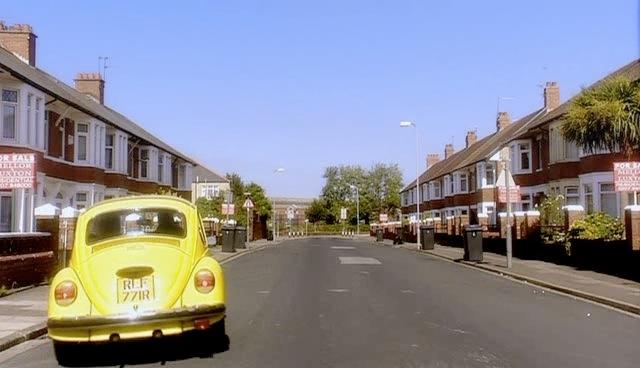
[406, 124]
[279, 170]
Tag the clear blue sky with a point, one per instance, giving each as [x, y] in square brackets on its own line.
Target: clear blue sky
[248, 86]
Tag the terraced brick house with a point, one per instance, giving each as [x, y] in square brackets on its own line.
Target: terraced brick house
[542, 163]
[85, 151]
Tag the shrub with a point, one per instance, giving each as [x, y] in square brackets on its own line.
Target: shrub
[552, 220]
[597, 226]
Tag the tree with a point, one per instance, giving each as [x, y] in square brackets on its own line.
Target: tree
[262, 204]
[379, 189]
[606, 117]
[210, 207]
[317, 211]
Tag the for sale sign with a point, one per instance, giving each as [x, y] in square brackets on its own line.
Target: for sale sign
[626, 176]
[17, 170]
[514, 194]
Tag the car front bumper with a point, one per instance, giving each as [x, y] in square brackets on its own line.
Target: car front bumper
[132, 326]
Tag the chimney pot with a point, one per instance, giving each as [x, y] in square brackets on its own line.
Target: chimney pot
[472, 137]
[503, 121]
[432, 159]
[90, 84]
[448, 150]
[20, 40]
[551, 96]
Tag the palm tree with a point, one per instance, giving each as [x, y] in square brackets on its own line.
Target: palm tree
[606, 117]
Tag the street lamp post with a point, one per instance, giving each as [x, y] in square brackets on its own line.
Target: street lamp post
[279, 170]
[408, 124]
[353, 187]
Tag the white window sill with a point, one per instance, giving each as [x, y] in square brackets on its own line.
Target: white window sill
[568, 160]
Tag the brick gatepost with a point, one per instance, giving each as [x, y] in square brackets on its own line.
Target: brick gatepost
[632, 226]
[451, 226]
[68, 220]
[532, 223]
[48, 221]
[572, 213]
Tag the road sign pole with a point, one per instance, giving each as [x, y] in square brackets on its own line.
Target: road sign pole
[509, 231]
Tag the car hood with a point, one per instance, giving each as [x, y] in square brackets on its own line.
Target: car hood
[165, 268]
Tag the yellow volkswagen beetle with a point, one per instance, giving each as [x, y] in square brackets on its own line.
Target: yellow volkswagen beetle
[139, 270]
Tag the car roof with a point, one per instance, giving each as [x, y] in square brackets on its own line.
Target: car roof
[139, 201]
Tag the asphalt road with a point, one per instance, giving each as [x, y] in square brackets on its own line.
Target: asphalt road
[302, 305]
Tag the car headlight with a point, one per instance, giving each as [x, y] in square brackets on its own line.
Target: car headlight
[204, 281]
[65, 293]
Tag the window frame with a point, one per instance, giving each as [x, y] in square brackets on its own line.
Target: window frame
[86, 135]
[16, 112]
[143, 163]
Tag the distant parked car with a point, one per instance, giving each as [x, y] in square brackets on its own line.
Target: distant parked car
[139, 270]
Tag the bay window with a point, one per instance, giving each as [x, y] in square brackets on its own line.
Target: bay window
[81, 200]
[144, 163]
[29, 126]
[161, 167]
[571, 195]
[108, 151]
[521, 157]
[46, 132]
[463, 183]
[588, 197]
[82, 142]
[608, 199]
[9, 114]
[41, 131]
[209, 191]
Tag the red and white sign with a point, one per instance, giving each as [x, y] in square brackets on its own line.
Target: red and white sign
[228, 208]
[514, 194]
[626, 176]
[17, 170]
[384, 217]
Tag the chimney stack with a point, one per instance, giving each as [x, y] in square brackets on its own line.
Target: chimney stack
[448, 150]
[551, 96]
[20, 40]
[91, 84]
[432, 159]
[503, 121]
[472, 137]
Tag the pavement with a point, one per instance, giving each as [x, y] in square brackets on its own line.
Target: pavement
[333, 302]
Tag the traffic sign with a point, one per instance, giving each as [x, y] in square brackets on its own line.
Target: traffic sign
[343, 213]
[248, 204]
[384, 217]
[228, 208]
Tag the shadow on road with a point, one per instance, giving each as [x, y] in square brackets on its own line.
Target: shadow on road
[195, 344]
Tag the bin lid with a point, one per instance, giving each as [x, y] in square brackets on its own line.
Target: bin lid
[427, 227]
[473, 228]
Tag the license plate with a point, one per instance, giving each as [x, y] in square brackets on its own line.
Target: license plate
[136, 290]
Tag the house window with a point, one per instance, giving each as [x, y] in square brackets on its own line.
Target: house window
[81, 200]
[525, 156]
[5, 212]
[525, 202]
[40, 132]
[630, 198]
[588, 197]
[130, 161]
[160, 168]
[9, 113]
[436, 190]
[539, 141]
[108, 151]
[29, 117]
[46, 131]
[82, 140]
[144, 163]
[490, 173]
[463, 183]
[209, 190]
[608, 199]
[182, 173]
[572, 195]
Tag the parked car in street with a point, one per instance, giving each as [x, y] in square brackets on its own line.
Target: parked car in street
[139, 269]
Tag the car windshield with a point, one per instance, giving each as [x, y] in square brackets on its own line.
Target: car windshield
[136, 222]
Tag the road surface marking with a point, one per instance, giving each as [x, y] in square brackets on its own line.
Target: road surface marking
[359, 261]
[338, 290]
[364, 272]
[336, 247]
[263, 292]
[407, 291]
